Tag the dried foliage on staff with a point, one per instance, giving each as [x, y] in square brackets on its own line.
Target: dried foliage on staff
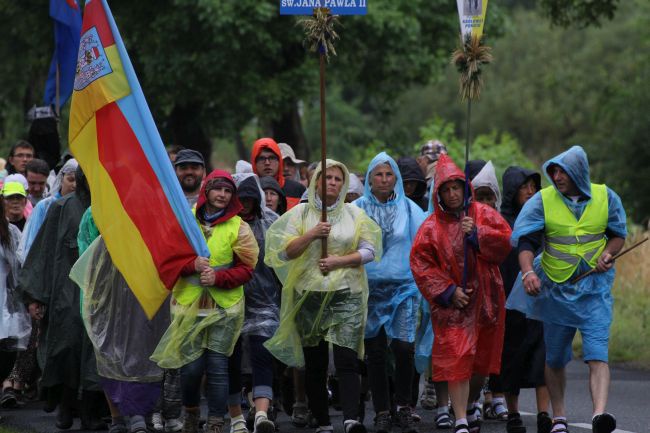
[468, 59]
[320, 34]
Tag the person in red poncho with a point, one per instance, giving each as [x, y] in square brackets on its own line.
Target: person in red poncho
[266, 159]
[468, 322]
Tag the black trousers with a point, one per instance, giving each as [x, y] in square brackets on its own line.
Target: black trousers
[347, 372]
[377, 362]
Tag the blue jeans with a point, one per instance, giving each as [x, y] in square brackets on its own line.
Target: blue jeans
[215, 367]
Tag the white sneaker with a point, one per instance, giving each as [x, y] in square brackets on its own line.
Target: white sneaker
[238, 425]
[173, 425]
[156, 421]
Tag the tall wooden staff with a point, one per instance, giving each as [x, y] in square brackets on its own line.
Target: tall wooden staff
[320, 35]
[468, 58]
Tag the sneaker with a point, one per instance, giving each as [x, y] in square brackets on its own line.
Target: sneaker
[544, 422]
[383, 423]
[428, 400]
[263, 425]
[300, 415]
[353, 426]
[157, 422]
[603, 423]
[515, 424]
[118, 428]
[173, 425]
[405, 420]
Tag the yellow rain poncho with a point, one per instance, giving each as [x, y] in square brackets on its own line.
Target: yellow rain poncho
[314, 307]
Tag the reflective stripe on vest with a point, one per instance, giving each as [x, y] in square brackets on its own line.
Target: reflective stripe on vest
[188, 289]
[568, 240]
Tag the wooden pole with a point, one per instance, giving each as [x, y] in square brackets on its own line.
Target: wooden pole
[467, 193]
[323, 149]
[622, 253]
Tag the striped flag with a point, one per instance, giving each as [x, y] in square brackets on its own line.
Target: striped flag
[137, 202]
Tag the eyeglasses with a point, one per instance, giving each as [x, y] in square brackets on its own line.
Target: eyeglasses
[271, 158]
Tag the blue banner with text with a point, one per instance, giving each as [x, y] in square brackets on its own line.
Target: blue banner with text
[337, 7]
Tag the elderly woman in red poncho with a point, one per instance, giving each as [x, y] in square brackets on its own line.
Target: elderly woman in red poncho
[468, 322]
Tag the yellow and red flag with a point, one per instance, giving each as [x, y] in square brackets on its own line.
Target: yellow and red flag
[137, 202]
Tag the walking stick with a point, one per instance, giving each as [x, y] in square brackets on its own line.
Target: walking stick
[622, 253]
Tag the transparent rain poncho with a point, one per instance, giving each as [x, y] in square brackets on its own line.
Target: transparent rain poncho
[587, 303]
[394, 298]
[15, 323]
[194, 328]
[316, 306]
[121, 334]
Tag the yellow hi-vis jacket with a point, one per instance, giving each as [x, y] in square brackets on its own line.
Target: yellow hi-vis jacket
[220, 244]
[568, 240]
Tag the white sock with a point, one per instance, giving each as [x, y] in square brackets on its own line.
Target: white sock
[461, 421]
[260, 414]
[557, 427]
[442, 409]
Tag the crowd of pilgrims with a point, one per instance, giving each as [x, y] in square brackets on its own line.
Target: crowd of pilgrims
[265, 324]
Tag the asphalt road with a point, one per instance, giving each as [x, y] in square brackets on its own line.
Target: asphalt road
[629, 401]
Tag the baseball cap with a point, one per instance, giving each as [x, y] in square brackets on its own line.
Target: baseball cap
[189, 156]
[287, 152]
[13, 188]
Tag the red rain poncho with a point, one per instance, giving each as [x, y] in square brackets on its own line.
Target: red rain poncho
[467, 341]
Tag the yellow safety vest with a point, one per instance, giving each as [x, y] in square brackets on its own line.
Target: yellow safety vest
[220, 244]
[567, 240]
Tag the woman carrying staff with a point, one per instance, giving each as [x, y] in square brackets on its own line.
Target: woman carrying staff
[394, 297]
[208, 303]
[324, 300]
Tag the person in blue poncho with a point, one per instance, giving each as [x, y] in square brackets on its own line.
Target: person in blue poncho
[583, 227]
[394, 298]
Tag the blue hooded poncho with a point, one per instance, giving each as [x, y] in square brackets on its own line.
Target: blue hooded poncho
[588, 303]
[394, 298]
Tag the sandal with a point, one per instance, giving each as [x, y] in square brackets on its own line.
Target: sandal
[443, 420]
[496, 410]
[563, 429]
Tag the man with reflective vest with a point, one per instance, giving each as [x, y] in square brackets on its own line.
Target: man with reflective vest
[581, 226]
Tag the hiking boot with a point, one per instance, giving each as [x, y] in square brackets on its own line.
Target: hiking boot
[544, 422]
[383, 423]
[428, 400]
[8, 399]
[214, 425]
[406, 421]
[191, 421]
[515, 424]
[603, 423]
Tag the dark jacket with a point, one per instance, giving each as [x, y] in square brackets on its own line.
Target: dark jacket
[513, 178]
[410, 170]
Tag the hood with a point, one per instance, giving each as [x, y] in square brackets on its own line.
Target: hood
[410, 170]
[383, 158]
[488, 177]
[574, 162]
[268, 144]
[82, 191]
[243, 167]
[356, 186]
[69, 167]
[446, 170]
[248, 187]
[268, 182]
[344, 189]
[513, 178]
[234, 207]
[474, 167]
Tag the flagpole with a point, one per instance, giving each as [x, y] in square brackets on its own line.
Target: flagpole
[467, 192]
[58, 90]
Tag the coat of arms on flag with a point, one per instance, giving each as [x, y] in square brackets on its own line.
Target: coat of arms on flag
[92, 62]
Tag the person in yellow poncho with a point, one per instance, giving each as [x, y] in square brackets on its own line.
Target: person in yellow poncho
[324, 300]
[208, 303]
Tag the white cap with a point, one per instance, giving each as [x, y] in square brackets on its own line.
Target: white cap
[287, 152]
